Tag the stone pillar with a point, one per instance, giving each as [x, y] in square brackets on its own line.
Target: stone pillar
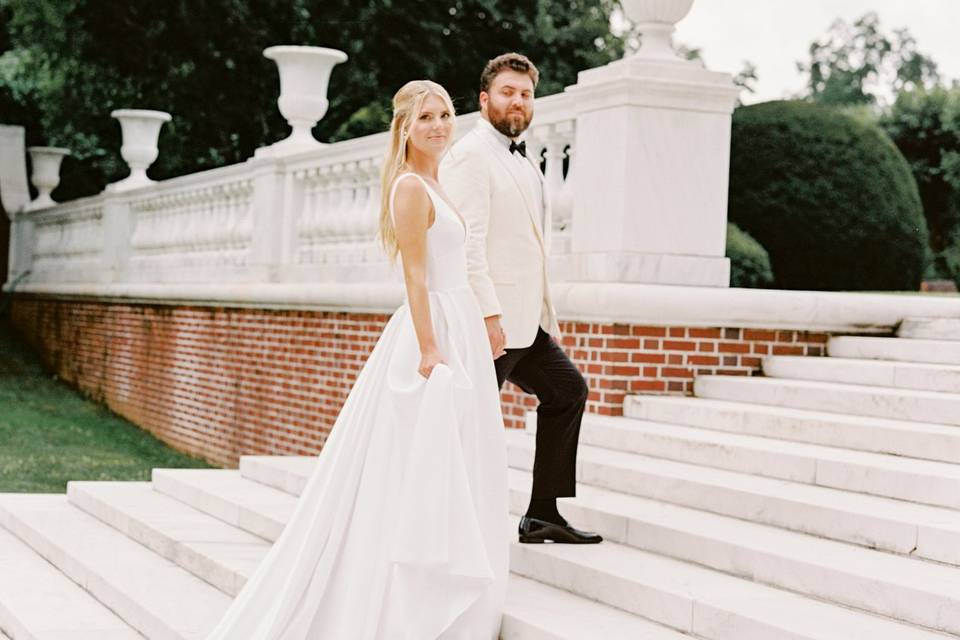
[15, 194]
[117, 232]
[274, 230]
[653, 157]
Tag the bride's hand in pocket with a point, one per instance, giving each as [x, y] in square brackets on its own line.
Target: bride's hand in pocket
[428, 360]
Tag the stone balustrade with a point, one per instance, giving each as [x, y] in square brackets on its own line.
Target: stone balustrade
[193, 226]
[308, 217]
[68, 242]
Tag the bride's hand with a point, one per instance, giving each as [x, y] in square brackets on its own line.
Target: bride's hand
[428, 360]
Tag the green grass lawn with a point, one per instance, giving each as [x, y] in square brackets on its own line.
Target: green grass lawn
[50, 433]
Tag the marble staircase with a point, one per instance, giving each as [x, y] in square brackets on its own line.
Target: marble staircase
[819, 502]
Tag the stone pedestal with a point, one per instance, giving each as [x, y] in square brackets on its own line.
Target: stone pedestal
[653, 149]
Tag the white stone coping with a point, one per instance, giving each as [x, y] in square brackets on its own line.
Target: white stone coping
[659, 305]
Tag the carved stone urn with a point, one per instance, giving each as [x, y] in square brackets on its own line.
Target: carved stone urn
[304, 77]
[655, 19]
[46, 174]
[140, 129]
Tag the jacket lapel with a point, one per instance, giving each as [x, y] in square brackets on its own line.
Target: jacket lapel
[547, 219]
[502, 155]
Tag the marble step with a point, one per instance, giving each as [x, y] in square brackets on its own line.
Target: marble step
[864, 433]
[238, 494]
[286, 473]
[881, 373]
[228, 496]
[923, 481]
[862, 400]
[226, 556]
[38, 602]
[537, 611]
[869, 521]
[212, 550]
[901, 349]
[231, 498]
[930, 328]
[150, 593]
[886, 584]
[700, 601]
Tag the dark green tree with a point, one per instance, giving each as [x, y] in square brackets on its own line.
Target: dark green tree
[749, 261]
[65, 64]
[747, 77]
[851, 64]
[828, 196]
[925, 125]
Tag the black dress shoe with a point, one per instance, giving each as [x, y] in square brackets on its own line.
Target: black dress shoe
[535, 530]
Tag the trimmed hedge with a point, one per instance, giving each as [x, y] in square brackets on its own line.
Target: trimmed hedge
[749, 262]
[830, 198]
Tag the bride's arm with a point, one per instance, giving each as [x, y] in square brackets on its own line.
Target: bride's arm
[412, 211]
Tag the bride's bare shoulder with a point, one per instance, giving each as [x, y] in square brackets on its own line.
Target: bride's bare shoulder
[411, 202]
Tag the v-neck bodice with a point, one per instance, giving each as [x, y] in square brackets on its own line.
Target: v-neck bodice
[446, 241]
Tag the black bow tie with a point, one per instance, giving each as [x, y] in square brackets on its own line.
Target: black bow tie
[519, 148]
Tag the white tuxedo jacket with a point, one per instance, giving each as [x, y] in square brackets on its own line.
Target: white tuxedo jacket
[508, 238]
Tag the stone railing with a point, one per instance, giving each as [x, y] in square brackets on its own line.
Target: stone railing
[307, 217]
[68, 242]
[201, 223]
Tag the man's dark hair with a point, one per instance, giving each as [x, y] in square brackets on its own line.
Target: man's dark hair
[508, 62]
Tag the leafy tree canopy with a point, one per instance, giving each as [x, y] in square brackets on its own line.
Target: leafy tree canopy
[925, 125]
[855, 64]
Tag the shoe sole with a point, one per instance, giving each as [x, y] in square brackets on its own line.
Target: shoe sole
[533, 540]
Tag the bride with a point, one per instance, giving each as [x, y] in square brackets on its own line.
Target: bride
[402, 529]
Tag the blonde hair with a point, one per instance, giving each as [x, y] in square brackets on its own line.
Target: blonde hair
[407, 104]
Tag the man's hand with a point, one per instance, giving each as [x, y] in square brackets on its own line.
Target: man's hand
[498, 339]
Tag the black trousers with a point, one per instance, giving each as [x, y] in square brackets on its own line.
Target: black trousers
[544, 370]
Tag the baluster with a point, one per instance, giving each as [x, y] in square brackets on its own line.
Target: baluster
[226, 223]
[231, 242]
[358, 222]
[335, 202]
[246, 215]
[371, 214]
[556, 141]
[563, 196]
[325, 201]
[307, 221]
[345, 216]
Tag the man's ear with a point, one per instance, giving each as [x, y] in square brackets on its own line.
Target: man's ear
[484, 98]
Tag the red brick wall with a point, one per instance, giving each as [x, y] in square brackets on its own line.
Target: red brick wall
[621, 359]
[222, 382]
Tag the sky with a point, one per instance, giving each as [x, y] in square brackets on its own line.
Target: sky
[775, 34]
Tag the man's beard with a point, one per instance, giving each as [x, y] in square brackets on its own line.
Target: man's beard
[502, 123]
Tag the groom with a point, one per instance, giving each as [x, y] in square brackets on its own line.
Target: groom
[500, 193]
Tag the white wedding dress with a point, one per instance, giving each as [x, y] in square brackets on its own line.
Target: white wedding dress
[402, 529]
